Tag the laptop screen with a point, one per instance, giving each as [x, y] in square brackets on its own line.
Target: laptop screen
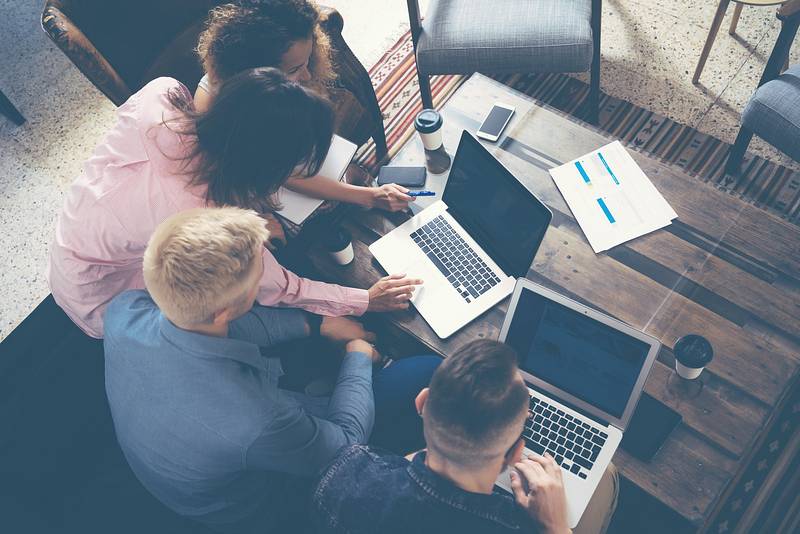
[576, 353]
[506, 219]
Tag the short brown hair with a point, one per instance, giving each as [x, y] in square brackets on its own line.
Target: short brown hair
[475, 397]
[200, 261]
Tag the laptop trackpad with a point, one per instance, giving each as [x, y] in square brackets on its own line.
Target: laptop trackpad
[435, 289]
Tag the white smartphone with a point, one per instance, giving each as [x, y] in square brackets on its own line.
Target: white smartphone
[495, 122]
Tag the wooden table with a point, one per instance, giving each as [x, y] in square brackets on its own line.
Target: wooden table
[725, 269]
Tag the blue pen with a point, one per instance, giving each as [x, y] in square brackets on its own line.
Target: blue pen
[421, 193]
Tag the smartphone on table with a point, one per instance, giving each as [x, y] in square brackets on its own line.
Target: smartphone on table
[495, 122]
[405, 176]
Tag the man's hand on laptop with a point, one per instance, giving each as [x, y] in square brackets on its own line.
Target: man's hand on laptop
[545, 499]
[391, 293]
[343, 329]
[359, 345]
[391, 197]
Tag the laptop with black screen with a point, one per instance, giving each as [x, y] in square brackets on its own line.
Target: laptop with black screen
[469, 247]
[585, 372]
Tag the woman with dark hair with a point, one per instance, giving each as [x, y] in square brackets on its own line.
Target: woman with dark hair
[284, 34]
[163, 156]
[261, 129]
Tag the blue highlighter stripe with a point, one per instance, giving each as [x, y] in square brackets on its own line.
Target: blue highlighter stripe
[613, 176]
[606, 211]
[583, 172]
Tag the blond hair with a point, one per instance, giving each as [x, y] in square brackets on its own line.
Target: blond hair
[200, 261]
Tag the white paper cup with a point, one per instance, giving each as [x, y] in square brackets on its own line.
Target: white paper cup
[428, 123]
[431, 141]
[692, 353]
[688, 373]
[344, 256]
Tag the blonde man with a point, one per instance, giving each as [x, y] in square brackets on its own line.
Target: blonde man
[197, 408]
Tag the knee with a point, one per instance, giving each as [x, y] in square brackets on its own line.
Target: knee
[421, 365]
[612, 475]
[425, 366]
[613, 472]
[428, 361]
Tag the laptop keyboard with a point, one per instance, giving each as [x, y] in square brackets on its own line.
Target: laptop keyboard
[573, 443]
[464, 269]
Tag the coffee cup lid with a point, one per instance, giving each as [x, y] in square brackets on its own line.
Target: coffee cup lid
[338, 239]
[428, 121]
[693, 351]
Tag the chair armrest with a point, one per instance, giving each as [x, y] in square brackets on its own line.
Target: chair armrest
[330, 20]
[358, 113]
[83, 54]
[789, 8]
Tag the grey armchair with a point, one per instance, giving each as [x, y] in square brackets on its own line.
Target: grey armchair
[508, 36]
[773, 112]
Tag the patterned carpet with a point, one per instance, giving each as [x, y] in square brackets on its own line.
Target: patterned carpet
[763, 183]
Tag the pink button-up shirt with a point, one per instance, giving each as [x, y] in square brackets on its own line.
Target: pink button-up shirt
[130, 184]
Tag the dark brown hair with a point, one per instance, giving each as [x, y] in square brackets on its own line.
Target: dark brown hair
[259, 130]
[257, 33]
[474, 397]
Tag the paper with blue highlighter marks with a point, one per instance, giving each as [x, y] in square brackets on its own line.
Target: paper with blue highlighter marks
[611, 197]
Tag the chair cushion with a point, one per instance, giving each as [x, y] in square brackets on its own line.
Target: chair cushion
[501, 37]
[773, 112]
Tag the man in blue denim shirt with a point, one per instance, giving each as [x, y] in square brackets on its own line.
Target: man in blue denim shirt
[473, 416]
[196, 407]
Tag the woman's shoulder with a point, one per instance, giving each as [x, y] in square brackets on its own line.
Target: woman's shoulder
[156, 91]
[154, 102]
[155, 113]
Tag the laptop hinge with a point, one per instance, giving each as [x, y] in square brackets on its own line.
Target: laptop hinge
[584, 413]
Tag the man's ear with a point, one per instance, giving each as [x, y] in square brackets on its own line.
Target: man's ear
[223, 316]
[421, 399]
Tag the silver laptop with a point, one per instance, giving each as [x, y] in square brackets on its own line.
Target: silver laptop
[469, 246]
[585, 372]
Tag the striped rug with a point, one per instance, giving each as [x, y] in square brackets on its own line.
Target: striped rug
[762, 183]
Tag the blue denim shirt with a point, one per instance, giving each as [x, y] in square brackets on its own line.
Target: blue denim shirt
[369, 491]
[203, 424]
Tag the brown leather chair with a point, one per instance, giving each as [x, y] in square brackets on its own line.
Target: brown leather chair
[121, 45]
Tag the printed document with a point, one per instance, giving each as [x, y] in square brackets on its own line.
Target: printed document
[297, 206]
[611, 197]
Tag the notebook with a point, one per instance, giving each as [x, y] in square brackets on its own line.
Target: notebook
[297, 206]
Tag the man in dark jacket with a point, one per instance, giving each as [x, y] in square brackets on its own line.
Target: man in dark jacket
[473, 415]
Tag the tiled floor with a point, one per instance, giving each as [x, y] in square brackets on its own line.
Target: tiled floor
[649, 48]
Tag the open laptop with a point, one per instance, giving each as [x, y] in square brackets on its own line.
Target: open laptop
[468, 247]
[585, 372]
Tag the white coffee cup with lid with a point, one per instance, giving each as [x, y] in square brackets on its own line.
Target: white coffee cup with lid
[340, 246]
[428, 123]
[692, 353]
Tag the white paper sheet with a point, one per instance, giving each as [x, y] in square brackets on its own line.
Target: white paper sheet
[611, 197]
[297, 206]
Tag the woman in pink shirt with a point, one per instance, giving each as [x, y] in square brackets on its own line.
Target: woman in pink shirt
[162, 157]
